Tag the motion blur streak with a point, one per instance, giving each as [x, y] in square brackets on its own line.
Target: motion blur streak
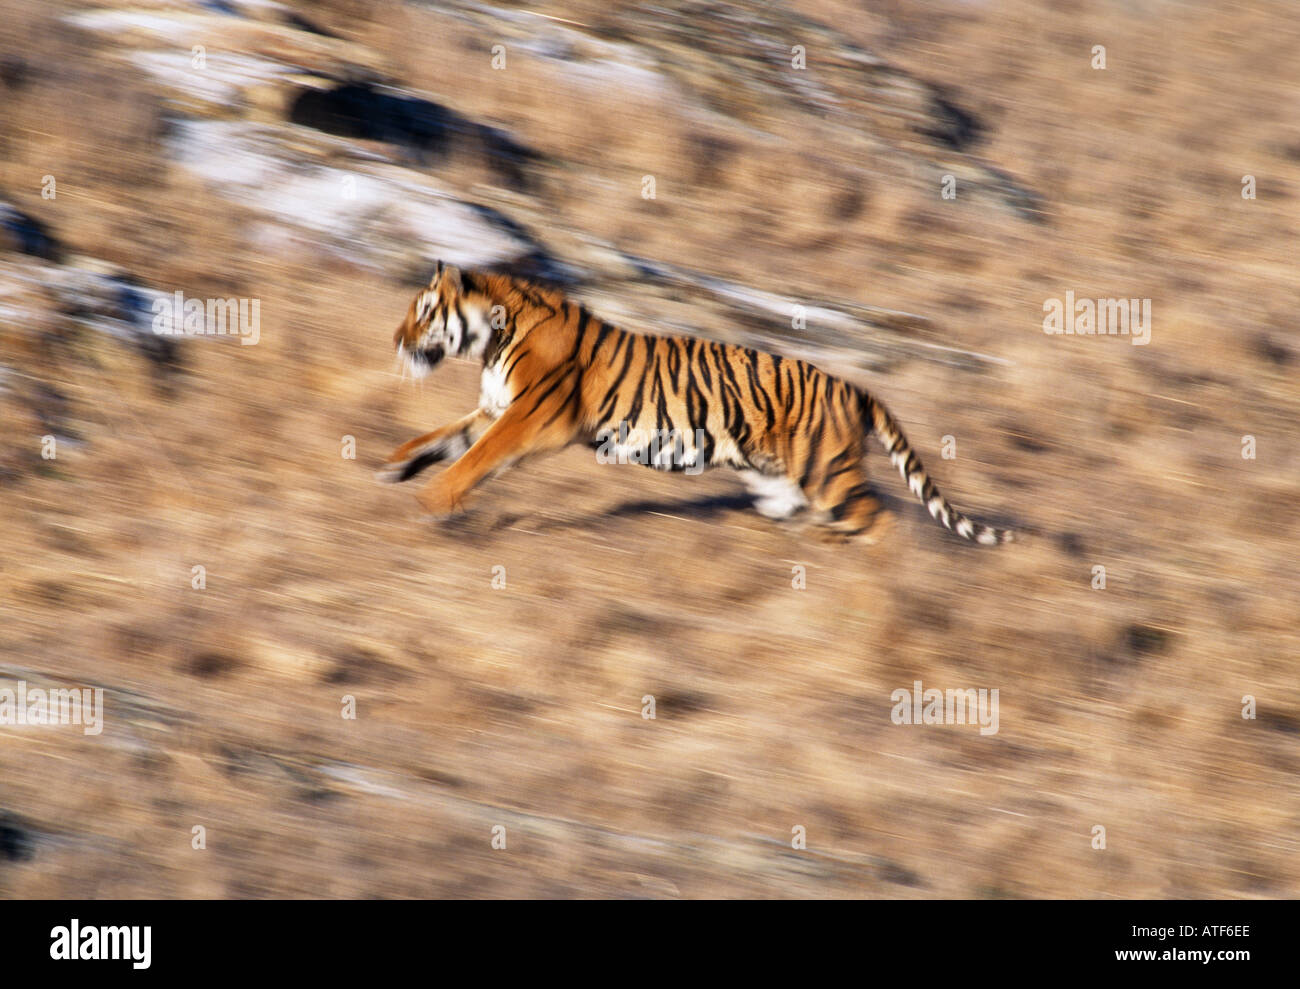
[604, 681]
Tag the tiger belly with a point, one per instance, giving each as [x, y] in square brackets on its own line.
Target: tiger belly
[775, 495]
[667, 449]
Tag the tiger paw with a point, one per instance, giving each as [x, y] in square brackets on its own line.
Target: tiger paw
[864, 533]
[828, 536]
[438, 503]
[402, 467]
[392, 472]
[880, 525]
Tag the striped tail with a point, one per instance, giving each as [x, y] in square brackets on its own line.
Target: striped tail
[902, 456]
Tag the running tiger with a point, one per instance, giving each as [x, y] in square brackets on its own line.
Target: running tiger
[554, 375]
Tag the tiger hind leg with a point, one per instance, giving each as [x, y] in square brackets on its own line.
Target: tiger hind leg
[858, 517]
[845, 507]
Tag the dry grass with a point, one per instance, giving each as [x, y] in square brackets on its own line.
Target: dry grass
[522, 706]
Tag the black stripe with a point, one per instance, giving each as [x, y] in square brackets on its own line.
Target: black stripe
[674, 363]
[759, 394]
[549, 391]
[611, 396]
[776, 379]
[559, 370]
[710, 444]
[564, 407]
[510, 367]
[464, 328]
[638, 395]
[584, 318]
[702, 365]
[847, 461]
[662, 419]
[697, 406]
[814, 447]
[605, 330]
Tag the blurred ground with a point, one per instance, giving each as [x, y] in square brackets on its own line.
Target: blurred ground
[320, 159]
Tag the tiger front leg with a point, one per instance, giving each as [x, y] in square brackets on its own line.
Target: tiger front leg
[524, 429]
[445, 443]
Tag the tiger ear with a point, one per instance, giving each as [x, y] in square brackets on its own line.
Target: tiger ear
[437, 273]
[451, 279]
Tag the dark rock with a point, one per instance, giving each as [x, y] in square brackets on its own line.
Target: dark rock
[427, 129]
[892, 872]
[361, 666]
[685, 701]
[1287, 724]
[1145, 639]
[53, 411]
[136, 307]
[538, 263]
[117, 304]
[950, 125]
[1027, 203]
[28, 234]
[1072, 543]
[1021, 439]
[14, 71]
[1272, 351]
[17, 841]
[303, 24]
[209, 665]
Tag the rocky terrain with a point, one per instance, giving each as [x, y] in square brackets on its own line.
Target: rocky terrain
[192, 522]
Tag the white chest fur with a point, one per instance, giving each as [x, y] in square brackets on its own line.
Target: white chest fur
[494, 395]
[776, 497]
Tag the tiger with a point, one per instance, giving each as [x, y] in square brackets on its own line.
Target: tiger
[554, 374]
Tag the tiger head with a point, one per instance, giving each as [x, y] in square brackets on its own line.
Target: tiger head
[449, 316]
